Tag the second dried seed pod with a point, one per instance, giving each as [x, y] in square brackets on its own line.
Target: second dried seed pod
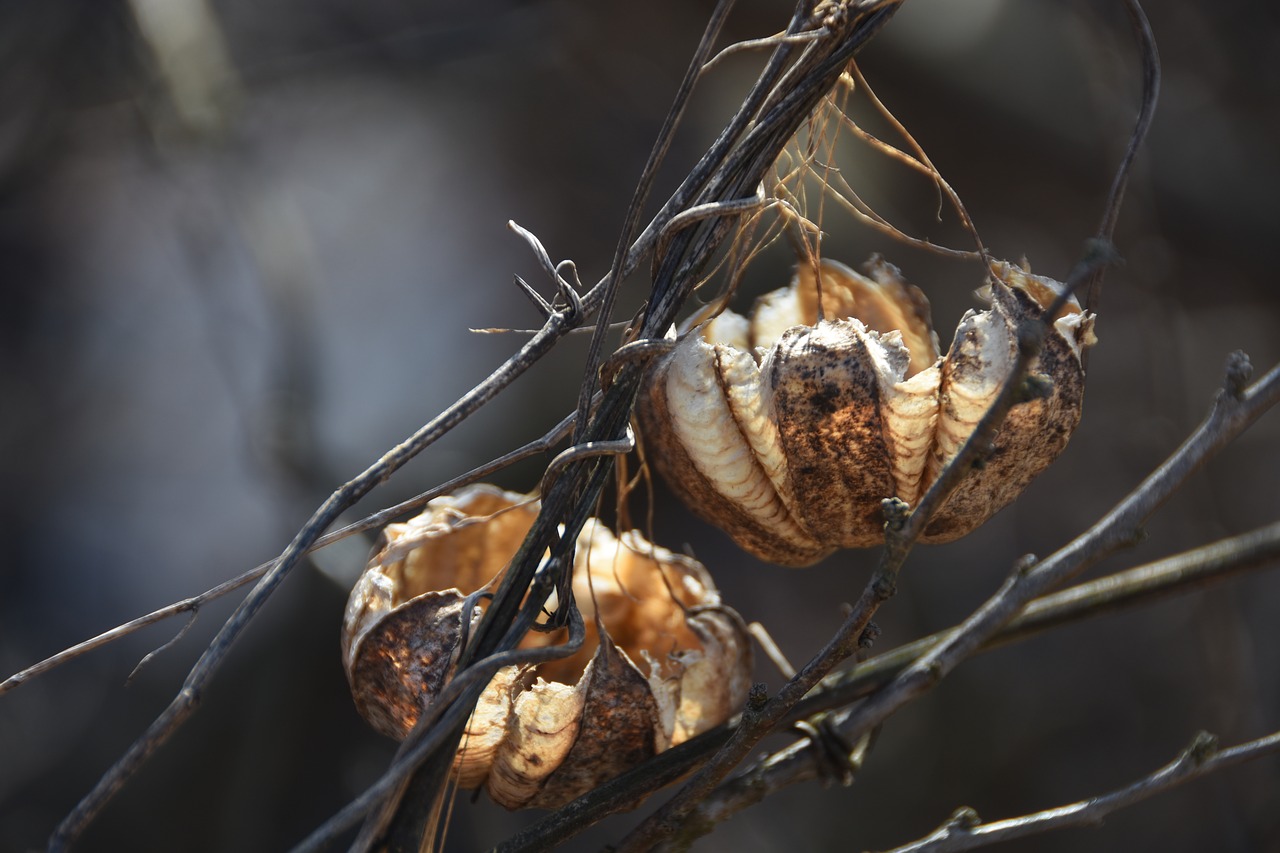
[788, 432]
[672, 662]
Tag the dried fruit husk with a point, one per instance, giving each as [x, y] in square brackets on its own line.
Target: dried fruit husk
[788, 431]
[673, 661]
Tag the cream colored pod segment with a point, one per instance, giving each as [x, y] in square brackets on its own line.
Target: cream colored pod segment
[788, 432]
[673, 662]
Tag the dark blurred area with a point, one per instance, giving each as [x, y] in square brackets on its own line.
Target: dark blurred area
[242, 248]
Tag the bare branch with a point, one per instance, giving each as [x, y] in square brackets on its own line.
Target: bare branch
[188, 698]
[376, 520]
[803, 761]
[762, 44]
[1178, 573]
[1146, 112]
[964, 831]
[1234, 410]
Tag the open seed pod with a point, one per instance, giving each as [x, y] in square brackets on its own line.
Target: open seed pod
[788, 432]
[673, 662]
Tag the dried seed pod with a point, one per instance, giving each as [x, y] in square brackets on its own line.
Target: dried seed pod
[791, 450]
[673, 661]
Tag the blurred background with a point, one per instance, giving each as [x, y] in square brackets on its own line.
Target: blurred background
[242, 248]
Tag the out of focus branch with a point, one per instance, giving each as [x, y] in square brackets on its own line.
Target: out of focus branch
[965, 831]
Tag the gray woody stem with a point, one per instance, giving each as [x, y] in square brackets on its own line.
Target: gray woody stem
[803, 761]
[193, 604]
[1235, 408]
[964, 831]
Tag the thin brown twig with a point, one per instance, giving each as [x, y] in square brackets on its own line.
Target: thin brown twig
[965, 831]
[803, 761]
[1146, 113]
[1234, 410]
[193, 604]
[761, 44]
[1177, 574]
[188, 698]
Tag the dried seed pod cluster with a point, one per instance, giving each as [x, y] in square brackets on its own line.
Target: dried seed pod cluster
[788, 432]
[673, 661]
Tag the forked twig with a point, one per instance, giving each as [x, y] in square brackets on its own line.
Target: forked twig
[1234, 410]
[965, 831]
[371, 522]
[802, 761]
[188, 698]
[1177, 574]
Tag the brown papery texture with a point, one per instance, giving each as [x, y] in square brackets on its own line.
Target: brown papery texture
[672, 661]
[835, 412]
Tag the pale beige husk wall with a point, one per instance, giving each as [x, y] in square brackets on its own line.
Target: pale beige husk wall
[790, 428]
[672, 661]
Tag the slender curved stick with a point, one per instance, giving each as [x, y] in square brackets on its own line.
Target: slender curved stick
[1180, 573]
[1146, 113]
[193, 604]
[586, 450]
[188, 698]
[1186, 572]
[965, 831]
[1234, 410]
[641, 195]
[701, 212]
[762, 43]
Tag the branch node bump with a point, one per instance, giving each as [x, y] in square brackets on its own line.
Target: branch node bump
[1024, 564]
[963, 819]
[1037, 386]
[896, 512]
[884, 587]
[757, 697]
[1239, 371]
[1203, 747]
